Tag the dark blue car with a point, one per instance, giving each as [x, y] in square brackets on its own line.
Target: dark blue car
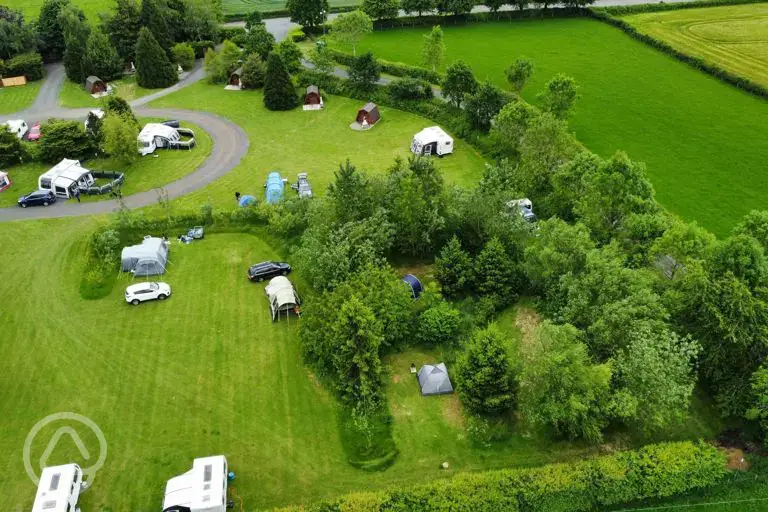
[37, 198]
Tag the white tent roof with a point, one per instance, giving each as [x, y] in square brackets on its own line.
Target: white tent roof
[431, 134]
[434, 379]
[3, 174]
[202, 488]
[69, 169]
[54, 488]
[280, 291]
[151, 130]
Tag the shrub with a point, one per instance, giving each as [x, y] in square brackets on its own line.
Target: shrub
[184, 55]
[439, 324]
[279, 93]
[230, 32]
[297, 35]
[391, 68]
[11, 149]
[254, 71]
[410, 89]
[200, 47]
[64, 139]
[29, 65]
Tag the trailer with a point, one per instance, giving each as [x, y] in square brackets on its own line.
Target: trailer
[59, 489]
[202, 489]
[302, 186]
[159, 135]
[432, 141]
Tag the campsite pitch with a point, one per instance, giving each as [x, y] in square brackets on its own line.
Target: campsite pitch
[15, 99]
[704, 142]
[73, 95]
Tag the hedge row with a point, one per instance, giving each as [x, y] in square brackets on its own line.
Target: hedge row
[283, 13]
[653, 471]
[24, 64]
[696, 62]
[475, 17]
[391, 68]
[623, 10]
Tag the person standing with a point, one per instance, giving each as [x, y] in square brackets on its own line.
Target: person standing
[77, 194]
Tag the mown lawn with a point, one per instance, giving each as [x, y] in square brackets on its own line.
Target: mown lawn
[733, 37]
[316, 142]
[14, 99]
[705, 143]
[73, 95]
[91, 8]
[245, 6]
[144, 174]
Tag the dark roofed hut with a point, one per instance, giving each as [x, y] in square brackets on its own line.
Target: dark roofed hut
[95, 85]
[234, 78]
[368, 115]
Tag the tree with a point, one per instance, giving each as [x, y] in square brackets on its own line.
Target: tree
[455, 7]
[453, 268]
[220, 65]
[183, 55]
[153, 68]
[122, 26]
[758, 410]
[519, 72]
[116, 105]
[253, 19]
[495, 274]
[259, 41]
[754, 224]
[510, 124]
[559, 96]
[308, 13]
[15, 35]
[102, 59]
[254, 72]
[438, 325]
[351, 194]
[433, 48]
[279, 92]
[50, 30]
[350, 28]
[364, 73]
[65, 139]
[637, 234]
[119, 134]
[484, 378]
[381, 9]
[495, 5]
[560, 389]
[291, 55]
[11, 150]
[76, 33]
[742, 256]
[154, 16]
[321, 59]
[569, 180]
[417, 6]
[199, 21]
[483, 105]
[458, 82]
[684, 242]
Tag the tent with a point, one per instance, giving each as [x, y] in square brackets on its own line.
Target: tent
[368, 115]
[432, 141]
[246, 200]
[65, 178]
[5, 181]
[434, 379]
[149, 258]
[416, 287]
[95, 85]
[274, 188]
[234, 78]
[282, 297]
[313, 100]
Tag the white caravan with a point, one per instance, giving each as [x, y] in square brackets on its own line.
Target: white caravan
[157, 135]
[65, 178]
[432, 141]
[17, 127]
[59, 489]
[202, 489]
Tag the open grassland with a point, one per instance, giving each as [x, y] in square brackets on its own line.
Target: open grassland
[14, 99]
[73, 95]
[734, 37]
[705, 143]
[91, 8]
[144, 174]
[316, 142]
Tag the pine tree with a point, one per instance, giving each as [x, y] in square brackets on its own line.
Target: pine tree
[279, 92]
[453, 268]
[76, 33]
[122, 27]
[153, 68]
[364, 73]
[50, 31]
[154, 17]
[484, 376]
[495, 274]
[102, 59]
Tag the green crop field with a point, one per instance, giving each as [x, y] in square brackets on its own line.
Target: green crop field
[734, 37]
[15, 99]
[705, 143]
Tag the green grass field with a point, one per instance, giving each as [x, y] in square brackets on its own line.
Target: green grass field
[244, 6]
[14, 99]
[91, 8]
[73, 95]
[144, 174]
[734, 37]
[705, 143]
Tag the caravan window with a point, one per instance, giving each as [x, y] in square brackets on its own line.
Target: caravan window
[61, 190]
[207, 473]
[46, 183]
[55, 482]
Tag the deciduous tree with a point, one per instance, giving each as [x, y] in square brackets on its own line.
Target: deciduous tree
[65, 139]
[417, 6]
[15, 35]
[183, 55]
[519, 72]
[458, 82]
[433, 48]
[510, 124]
[11, 150]
[364, 73]
[254, 72]
[559, 96]
[381, 9]
[483, 105]
[50, 30]
[119, 134]
[308, 13]
[259, 41]
[350, 28]
[291, 55]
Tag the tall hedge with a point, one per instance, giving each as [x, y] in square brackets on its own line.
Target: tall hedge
[153, 68]
[654, 471]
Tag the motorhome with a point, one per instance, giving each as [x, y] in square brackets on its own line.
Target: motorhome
[65, 178]
[59, 489]
[202, 489]
[158, 135]
[432, 141]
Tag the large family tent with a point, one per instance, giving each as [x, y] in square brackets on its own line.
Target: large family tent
[159, 135]
[59, 489]
[65, 178]
[434, 379]
[432, 141]
[274, 188]
[149, 258]
[282, 297]
[201, 489]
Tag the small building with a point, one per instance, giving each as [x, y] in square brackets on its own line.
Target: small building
[160, 135]
[59, 489]
[434, 380]
[413, 282]
[432, 141]
[13, 81]
[282, 297]
[201, 489]
[234, 79]
[66, 178]
[368, 115]
[312, 99]
[149, 258]
[274, 188]
[95, 85]
[5, 181]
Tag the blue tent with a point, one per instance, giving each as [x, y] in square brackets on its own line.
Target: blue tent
[413, 281]
[274, 188]
[246, 201]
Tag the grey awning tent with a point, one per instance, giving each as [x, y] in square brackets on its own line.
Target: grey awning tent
[282, 297]
[434, 379]
[149, 258]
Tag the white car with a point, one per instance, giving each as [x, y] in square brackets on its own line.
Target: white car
[138, 293]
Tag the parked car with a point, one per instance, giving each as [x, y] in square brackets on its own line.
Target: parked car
[138, 293]
[267, 270]
[34, 133]
[37, 198]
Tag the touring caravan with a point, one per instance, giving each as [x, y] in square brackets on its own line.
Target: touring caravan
[202, 489]
[432, 141]
[59, 489]
[17, 127]
[158, 135]
[65, 178]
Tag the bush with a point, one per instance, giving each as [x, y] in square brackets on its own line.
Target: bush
[297, 35]
[64, 139]
[29, 65]
[230, 32]
[254, 71]
[200, 47]
[184, 55]
[11, 149]
[391, 68]
[410, 89]
[439, 325]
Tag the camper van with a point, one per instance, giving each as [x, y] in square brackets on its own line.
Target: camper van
[65, 178]
[158, 135]
[59, 489]
[524, 208]
[202, 489]
[432, 141]
[17, 127]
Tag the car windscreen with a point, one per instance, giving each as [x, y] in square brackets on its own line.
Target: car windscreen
[153, 286]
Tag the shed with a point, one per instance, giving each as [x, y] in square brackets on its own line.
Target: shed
[5, 181]
[95, 85]
[234, 78]
[368, 115]
[312, 99]
[65, 178]
[416, 287]
[274, 188]
[13, 81]
[201, 489]
[432, 141]
[282, 297]
[434, 379]
[149, 258]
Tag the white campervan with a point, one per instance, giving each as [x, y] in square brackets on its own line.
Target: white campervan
[65, 178]
[59, 489]
[432, 141]
[202, 489]
[17, 127]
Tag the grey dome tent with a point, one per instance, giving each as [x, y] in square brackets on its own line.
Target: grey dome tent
[149, 258]
[434, 379]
